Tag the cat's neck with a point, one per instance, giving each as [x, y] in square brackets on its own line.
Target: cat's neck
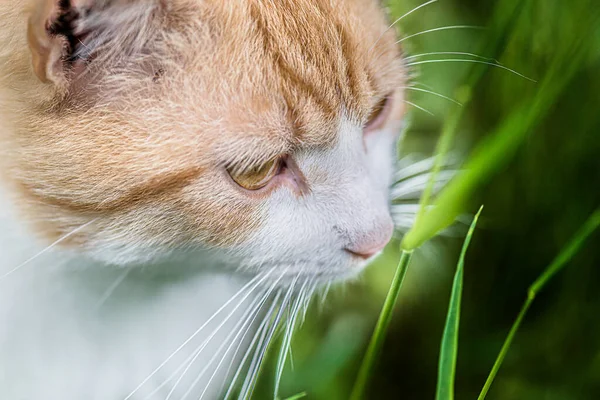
[106, 328]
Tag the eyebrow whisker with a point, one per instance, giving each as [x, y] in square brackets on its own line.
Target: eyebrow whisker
[419, 107]
[433, 93]
[442, 28]
[399, 19]
[471, 61]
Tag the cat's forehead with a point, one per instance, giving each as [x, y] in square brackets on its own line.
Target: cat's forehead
[298, 66]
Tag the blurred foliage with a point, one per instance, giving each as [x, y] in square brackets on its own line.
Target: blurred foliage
[532, 207]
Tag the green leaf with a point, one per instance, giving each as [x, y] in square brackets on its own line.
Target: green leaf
[449, 347]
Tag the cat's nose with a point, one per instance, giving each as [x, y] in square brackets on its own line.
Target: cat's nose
[372, 242]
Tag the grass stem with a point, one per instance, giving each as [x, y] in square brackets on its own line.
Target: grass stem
[559, 262]
[381, 328]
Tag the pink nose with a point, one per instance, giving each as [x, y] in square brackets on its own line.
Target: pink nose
[372, 243]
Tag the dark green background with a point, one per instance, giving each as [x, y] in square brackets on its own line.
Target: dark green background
[532, 207]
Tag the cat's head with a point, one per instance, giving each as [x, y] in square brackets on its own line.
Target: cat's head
[264, 132]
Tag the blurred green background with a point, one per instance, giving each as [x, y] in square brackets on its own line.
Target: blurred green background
[532, 207]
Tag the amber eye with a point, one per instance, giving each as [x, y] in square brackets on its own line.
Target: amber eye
[378, 114]
[256, 178]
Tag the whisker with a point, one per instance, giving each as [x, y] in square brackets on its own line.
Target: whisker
[111, 289]
[261, 350]
[291, 356]
[184, 364]
[442, 28]
[454, 53]
[265, 338]
[419, 107]
[286, 342]
[404, 215]
[256, 281]
[258, 338]
[263, 301]
[416, 184]
[308, 298]
[203, 345]
[471, 61]
[247, 319]
[433, 93]
[47, 249]
[399, 19]
[324, 294]
[423, 85]
[422, 166]
[235, 352]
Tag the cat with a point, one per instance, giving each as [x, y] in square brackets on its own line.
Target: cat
[177, 178]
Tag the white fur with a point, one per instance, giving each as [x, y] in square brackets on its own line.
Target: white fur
[67, 333]
[348, 204]
[73, 330]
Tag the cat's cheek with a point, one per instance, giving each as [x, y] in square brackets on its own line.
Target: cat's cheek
[194, 218]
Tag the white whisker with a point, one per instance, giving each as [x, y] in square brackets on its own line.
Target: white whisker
[184, 364]
[261, 349]
[433, 93]
[249, 317]
[190, 359]
[264, 299]
[470, 61]
[237, 330]
[400, 19]
[413, 186]
[419, 107]
[451, 53]
[256, 281]
[111, 289]
[324, 295]
[47, 249]
[442, 28]
[422, 166]
[404, 215]
[308, 298]
[203, 345]
[286, 342]
[291, 356]
[258, 338]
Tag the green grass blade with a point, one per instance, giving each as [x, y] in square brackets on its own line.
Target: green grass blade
[449, 347]
[506, 14]
[497, 150]
[297, 396]
[381, 328]
[568, 252]
[559, 262]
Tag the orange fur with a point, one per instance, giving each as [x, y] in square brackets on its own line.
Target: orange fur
[141, 138]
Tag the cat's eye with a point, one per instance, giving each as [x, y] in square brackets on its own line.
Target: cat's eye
[258, 177]
[378, 114]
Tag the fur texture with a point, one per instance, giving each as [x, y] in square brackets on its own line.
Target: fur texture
[119, 122]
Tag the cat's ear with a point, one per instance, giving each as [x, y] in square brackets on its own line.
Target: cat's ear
[63, 35]
[47, 48]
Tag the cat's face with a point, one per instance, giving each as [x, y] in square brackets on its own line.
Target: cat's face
[263, 131]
